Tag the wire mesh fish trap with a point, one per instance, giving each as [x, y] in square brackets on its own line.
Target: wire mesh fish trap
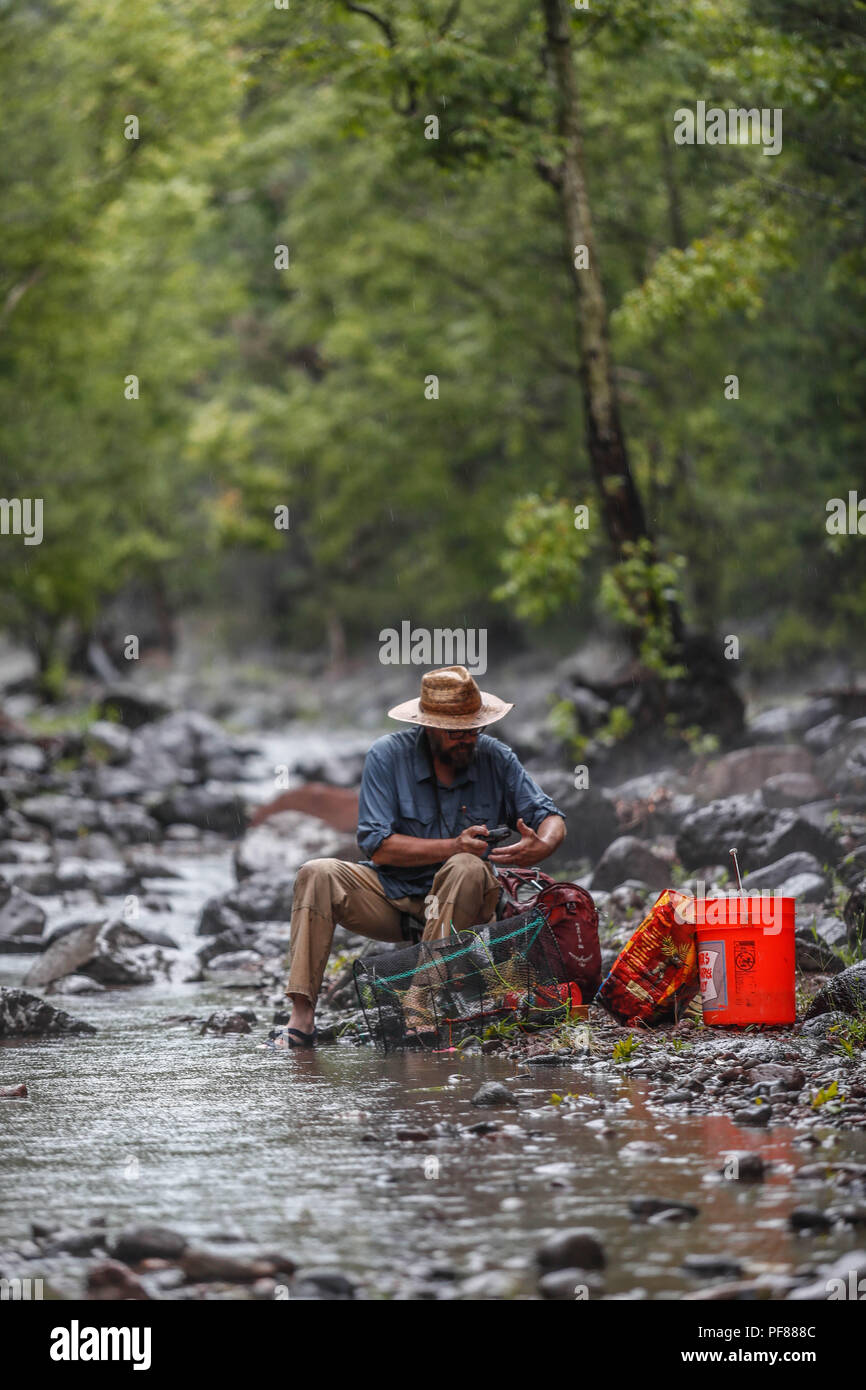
[444, 990]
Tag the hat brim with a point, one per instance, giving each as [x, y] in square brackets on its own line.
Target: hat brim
[490, 709]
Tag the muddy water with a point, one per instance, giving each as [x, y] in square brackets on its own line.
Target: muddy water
[147, 1121]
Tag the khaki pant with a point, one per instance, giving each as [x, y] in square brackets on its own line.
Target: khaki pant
[328, 891]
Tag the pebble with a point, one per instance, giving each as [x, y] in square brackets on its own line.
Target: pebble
[754, 1115]
[709, 1266]
[13, 1092]
[673, 1210]
[136, 1243]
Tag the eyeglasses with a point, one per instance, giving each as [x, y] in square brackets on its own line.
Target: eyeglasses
[457, 734]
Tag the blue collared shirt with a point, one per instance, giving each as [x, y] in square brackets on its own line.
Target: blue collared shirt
[397, 798]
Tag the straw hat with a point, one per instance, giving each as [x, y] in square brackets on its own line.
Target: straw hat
[450, 699]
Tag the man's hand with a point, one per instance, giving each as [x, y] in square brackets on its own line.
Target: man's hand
[470, 842]
[530, 849]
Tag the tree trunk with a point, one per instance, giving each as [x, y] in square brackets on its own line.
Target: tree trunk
[621, 506]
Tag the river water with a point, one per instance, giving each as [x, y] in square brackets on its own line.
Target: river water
[225, 1140]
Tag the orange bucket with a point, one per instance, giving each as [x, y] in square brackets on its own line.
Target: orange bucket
[746, 959]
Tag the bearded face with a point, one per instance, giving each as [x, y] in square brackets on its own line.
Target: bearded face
[454, 747]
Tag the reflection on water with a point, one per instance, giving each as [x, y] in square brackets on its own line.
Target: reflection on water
[148, 1121]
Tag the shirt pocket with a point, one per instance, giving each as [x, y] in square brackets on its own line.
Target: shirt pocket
[417, 816]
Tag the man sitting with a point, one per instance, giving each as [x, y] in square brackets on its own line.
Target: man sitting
[429, 796]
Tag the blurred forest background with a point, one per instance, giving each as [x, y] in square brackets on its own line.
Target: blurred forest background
[304, 386]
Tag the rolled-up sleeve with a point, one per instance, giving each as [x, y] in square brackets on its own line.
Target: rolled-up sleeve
[526, 800]
[377, 804]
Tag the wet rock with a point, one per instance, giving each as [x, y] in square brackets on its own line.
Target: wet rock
[206, 1266]
[323, 1283]
[576, 1248]
[494, 1093]
[805, 888]
[100, 950]
[848, 1215]
[627, 857]
[20, 915]
[127, 705]
[645, 1207]
[240, 938]
[843, 766]
[821, 1025]
[72, 985]
[264, 897]
[790, 1078]
[285, 842]
[639, 1149]
[229, 1021]
[26, 1015]
[236, 969]
[840, 1281]
[845, 993]
[792, 789]
[483, 1127]
[783, 721]
[762, 836]
[744, 1166]
[712, 1266]
[679, 1097]
[108, 741]
[62, 814]
[114, 1281]
[136, 1243]
[74, 1242]
[747, 769]
[754, 1115]
[568, 1285]
[211, 807]
[413, 1136]
[854, 912]
[809, 1219]
[824, 736]
[774, 875]
[813, 954]
[18, 1092]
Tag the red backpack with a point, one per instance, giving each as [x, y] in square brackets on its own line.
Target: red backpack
[571, 915]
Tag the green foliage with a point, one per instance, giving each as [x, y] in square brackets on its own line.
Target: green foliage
[545, 558]
[638, 593]
[625, 1048]
[412, 257]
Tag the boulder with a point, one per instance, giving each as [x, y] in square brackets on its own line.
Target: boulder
[825, 736]
[590, 816]
[843, 767]
[64, 815]
[230, 1021]
[76, 984]
[263, 897]
[747, 769]
[627, 857]
[762, 836]
[792, 789]
[285, 841]
[774, 875]
[779, 724]
[493, 1093]
[805, 888]
[211, 807]
[101, 950]
[26, 1015]
[237, 968]
[845, 993]
[20, 914]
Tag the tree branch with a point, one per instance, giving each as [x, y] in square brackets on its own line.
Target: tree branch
[384, 24]
[17, 293]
